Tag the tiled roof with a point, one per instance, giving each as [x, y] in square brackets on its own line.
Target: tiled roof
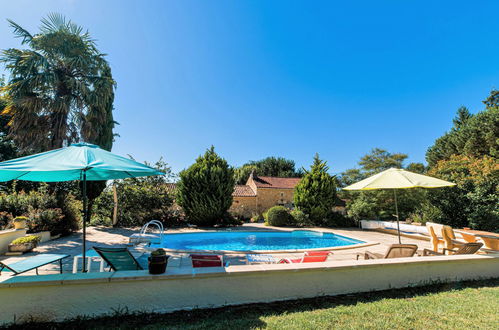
[274, 182]
[239, 190]
[243, 191]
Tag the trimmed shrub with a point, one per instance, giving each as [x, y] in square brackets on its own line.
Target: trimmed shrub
[300, 218]
[205, 190]
[279, 216]
[27, 239]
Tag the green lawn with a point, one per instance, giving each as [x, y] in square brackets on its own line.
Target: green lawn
[445, 306]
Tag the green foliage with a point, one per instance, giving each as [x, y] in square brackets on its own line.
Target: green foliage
[472, 135]
[426, 212]
[279, 216]
[300, 218]
[139, 201]
[475, 201]
[315, 194]
[61, 87]
[34, 239]
[270, 166]
[44, 220]
[44, 210]
[158, 253]
[380, 204]
[379, 160]
[205, 190]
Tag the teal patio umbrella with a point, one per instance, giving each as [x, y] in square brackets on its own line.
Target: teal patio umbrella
[80, 161]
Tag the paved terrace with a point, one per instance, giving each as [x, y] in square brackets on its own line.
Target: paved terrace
[113, 237]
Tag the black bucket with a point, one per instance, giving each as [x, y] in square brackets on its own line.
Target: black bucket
[157, 264]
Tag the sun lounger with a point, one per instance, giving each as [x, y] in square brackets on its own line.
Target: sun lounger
[260, 259]
[31, 263]
[466, 248]
[310, 256]
[118, 258]
[207, 260]
[491, 242]
[394, 251]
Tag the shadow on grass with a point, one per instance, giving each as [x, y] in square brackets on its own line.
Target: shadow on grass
[247, 316]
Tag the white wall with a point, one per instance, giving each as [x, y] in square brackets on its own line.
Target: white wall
[55, 297]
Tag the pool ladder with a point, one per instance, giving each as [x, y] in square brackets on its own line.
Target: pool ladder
[142, 237]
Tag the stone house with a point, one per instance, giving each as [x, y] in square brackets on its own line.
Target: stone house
[261, 193]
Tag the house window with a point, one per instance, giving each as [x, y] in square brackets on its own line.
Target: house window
[282, 194]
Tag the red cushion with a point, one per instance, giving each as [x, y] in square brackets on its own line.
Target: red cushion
[317, 253]
[203, 260]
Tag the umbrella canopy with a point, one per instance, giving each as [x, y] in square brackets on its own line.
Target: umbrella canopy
[68, 164]
[395, 178]
[79, 161]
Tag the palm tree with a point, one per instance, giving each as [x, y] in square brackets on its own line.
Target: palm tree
[61, 88]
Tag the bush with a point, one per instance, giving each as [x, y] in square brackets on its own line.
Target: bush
[44, 220]
[279, 216]
[140, 200]
[338, 220]
[474, 201]
[27, 239]
[316, 193]
[34, 203]
[205, 189]
[300, 218]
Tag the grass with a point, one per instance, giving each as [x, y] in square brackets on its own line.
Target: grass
[462, 305]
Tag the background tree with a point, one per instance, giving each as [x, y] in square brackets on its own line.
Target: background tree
[205, 190]
[270, 166]
[379, 204]
[61, 87]
[475, 201]
[61, 91]
[315, 194]
[472, 135]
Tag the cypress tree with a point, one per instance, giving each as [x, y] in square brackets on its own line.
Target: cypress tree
[315, 195]
[205, 189]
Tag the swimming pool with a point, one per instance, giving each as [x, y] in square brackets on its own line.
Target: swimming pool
[255, 241]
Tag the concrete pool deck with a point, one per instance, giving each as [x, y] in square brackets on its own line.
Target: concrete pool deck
[104, 236]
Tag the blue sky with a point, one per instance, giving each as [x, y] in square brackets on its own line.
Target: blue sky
[284, 78]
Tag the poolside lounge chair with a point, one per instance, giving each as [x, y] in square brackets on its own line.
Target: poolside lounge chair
[31, 263]
[491, 242]
[118, 258]
[466, 248]
[207, 260]
[310, 256]
[394, 251]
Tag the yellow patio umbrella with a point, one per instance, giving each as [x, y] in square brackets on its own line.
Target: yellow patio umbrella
[395, 178]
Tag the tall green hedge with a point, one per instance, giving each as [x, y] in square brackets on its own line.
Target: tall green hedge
[315, 195]
[205, 190]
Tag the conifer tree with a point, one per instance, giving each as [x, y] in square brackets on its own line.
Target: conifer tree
[315, 195]
[205, 189]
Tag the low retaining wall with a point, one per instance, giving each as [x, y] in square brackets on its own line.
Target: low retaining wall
[60, 296]
[7, 236]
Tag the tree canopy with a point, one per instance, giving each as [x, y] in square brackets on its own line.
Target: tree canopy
[315, 194]
[270, 166]
[473, 135]
[205, 189]
[60, 86]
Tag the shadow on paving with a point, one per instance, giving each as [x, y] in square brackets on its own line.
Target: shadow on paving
[248, 316]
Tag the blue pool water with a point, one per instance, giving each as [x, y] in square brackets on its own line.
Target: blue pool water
[255, 240]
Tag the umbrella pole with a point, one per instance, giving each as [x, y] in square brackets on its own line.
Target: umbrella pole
[84, 193]
[397, 214]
